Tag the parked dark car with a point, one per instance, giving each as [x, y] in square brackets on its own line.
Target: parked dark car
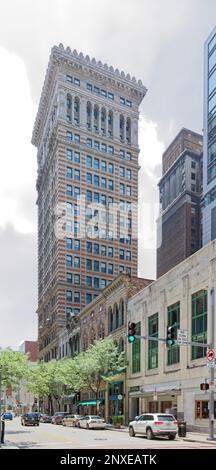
[30, 419]
[44, 418]
[58, 417]
[7, 415]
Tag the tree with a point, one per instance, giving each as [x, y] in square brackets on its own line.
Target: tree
[46, 379]
[91, 368]
[13, 367]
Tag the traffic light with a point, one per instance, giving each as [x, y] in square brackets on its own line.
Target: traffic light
[170, 337]
[204, 386]
[131, 332]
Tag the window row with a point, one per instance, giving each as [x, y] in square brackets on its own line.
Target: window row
[73, 278]
[90, 143]
[72, 244]
[99, 164]
[72, 296]
[90, 297]
[74, 80]
[73, 156]
[99, 266]
[72, 261]
[125, 102]
[99, 181]
[98, 198]
[98, 249]
[125, 254]
[73, 173]
[96, 282]
[73, 137]
[99, 91]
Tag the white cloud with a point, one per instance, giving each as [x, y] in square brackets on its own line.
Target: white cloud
[17, 157]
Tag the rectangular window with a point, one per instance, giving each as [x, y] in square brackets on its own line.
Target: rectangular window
[153, 345]
[96, 164]
[128, 190]
[110, 185]
[103, 166]
[110, 149]
[128, 255]
[122, 171]
[96, 197]
[88, 298]
[77, 245]
[69, 244]
[136, 351]
[122, 154]
[88, 196]
[89, 281]
[89, 265]
[89, 178]
[76, 191]
[96, 248]
[128, 174]
[69, 136]
[110, 168]
[76, 297]
[76, 279]
[110, 251]
[77, 138]
[103, 147]
[89, 86]
[89, 143]
[77, 175]
[96, 90]
[110, 96]
[121, 254]
[122, 100]
[103, 199]
[76, 157]
[76, 81]
[103, 92]
[96, 145]
[103, 183]
[103, 250]
[69, 78]
[110, 268]
[129, 103]
[69, 172]
[89, 161]
[89, 247]
[69, 278]
[96, 282]
[69, 296]
[69, 261]
[69, 154]
[103, 267]
[199, 323]
[76, 262]
[96, 181]
[96, 266]
[173, 314]
[122, 188]
[102, 283]
[128, 156]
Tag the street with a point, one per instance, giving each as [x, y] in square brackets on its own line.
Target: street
[49, 436]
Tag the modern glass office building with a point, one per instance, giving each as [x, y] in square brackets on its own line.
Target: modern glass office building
[209, 140]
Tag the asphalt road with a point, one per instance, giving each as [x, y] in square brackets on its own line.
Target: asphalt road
[51, 436]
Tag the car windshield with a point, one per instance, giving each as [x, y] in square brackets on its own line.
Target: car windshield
[165, 418]
[95, 417]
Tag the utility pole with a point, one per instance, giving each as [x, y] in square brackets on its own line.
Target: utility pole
[0, 406]
[211, 368]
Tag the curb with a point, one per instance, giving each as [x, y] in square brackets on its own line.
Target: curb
[187, 439]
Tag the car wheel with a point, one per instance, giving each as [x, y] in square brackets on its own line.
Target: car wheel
[172, 437]
[131, 432]
[149, 434]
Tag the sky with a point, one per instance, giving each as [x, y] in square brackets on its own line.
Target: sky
[160, 42]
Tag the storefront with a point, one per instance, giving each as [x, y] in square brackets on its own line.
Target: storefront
[89, 407]
[116, 403]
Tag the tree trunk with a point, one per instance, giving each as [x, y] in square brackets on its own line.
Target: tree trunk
[97, 402]
[51, 411]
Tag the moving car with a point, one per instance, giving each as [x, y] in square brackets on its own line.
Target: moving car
[92, 422]
[7, 415]
[154, 424]
[58, 417]
[71, 420]
[44, 418]
[30, 418]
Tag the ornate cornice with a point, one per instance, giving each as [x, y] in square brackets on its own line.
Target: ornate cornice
[96, 69]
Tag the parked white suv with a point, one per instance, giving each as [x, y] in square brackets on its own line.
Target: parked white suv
[154, 424]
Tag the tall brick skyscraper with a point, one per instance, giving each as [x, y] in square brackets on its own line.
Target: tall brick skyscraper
[86, 133]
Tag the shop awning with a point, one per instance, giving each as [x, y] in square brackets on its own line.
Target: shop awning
[162, 387]
[89, 403]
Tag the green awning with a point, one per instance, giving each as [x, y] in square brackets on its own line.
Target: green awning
[89, 403]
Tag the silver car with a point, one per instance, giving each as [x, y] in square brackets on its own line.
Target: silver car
[154, 424]
[92, 422]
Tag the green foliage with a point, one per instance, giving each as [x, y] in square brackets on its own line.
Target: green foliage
[118, 420]
[13, 367]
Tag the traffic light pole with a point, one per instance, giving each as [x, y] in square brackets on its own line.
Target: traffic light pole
[211, 369]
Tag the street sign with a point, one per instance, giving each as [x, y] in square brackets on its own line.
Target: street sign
[210, 354]
[120, 397]
[182, 336]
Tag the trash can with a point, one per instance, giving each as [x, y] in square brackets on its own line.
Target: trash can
[182, 430]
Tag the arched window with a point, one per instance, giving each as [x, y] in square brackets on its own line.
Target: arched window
[116, 310]
[121, 127]
[96, 118]
[69, 107]
[110, 317]
[110, 124]
[122, 311]
[92, 336]
[89, 115]
[77, 110]
[103, 121]
[128, 131]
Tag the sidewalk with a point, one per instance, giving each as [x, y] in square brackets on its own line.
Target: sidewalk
[190, 436]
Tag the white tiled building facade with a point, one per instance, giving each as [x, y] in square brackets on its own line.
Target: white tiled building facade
[159, 378]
